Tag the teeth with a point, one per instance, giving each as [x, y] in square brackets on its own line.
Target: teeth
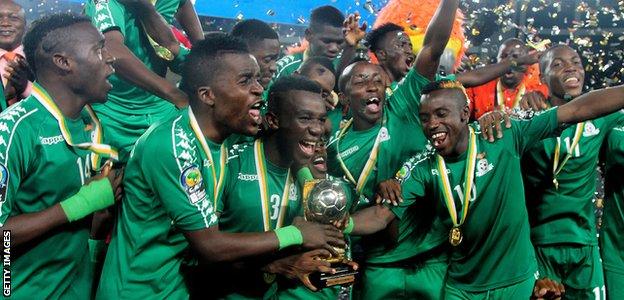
[372, 100]
[571, 79]
[319, 160]
[308, 144]
[438, 135]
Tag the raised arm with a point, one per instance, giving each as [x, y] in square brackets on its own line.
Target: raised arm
[490, 72]
[592, 105]
[436, 37]
[154, 24]
[187, 17]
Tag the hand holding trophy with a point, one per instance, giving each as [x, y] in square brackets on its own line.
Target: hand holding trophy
[325, 201]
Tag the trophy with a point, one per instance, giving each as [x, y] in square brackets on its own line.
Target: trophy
[325, 201]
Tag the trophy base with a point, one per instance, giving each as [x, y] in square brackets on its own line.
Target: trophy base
[345, 275]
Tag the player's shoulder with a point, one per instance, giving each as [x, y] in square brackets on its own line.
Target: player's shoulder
[26, 115]
[240, 151]
[164, 134]
[288, 62]
[421, 160]
[105, 14]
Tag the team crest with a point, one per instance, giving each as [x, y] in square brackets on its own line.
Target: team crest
[483, 167]
[193, 184]
[292, 194]
[590, 129]
[404, 173]
[4, 179]
[383, 134]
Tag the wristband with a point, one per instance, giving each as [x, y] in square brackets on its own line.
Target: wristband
[288, 236]
[350, 226]
[92, 197]
[96, 249]
[304, 174]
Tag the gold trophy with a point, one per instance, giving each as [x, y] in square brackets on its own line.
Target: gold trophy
[325, 201]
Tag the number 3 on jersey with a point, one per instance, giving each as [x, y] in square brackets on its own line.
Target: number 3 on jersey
[275, 206]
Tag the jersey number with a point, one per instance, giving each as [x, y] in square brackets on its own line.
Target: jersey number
[599, 293]
[84, 169]
[460, 193]
[568, 143]
[275, 206]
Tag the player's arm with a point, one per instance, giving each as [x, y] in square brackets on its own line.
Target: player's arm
[154, 24]
[187, 17]
[353, 33]
[436, 37]
[490, 72]
[592, 105]
[130, 68]
[371, 220]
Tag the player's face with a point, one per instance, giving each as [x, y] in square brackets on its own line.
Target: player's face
[326, 79]
[92, 63]
[238, 94]
[325, 40]
[266, 53]
[511, 79]
[301, 124]
[444, 120]
[399, 54]
[12, 23]
[366, 92]
[564, 73]
[318, 162]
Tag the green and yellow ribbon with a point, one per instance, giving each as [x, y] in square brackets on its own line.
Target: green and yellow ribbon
[96, 146]
[264, 189]
[557, 166]
[500, 95]
[216, 183]
[445, 184]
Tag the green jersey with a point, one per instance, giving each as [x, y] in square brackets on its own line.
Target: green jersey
[290, 63]
[38, 169]
[565, 214]
[496, 233]
[125, 97]
[169, 186]
[611, 237]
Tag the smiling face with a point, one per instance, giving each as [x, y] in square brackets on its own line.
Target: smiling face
[396, 54]
[325, 40]
[444, 115]
[266, 53]
[512, 50]
[12, 24]
[237, 93]
[365, 91]
[563, 72]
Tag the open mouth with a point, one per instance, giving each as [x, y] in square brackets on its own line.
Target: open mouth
[409, 61]
[254, 112]
[373, 105]
[319, 164]
[307, 147]
[6, 32]
[571, 82]
[438, 139]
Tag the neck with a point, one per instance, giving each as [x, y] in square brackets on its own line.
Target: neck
[273, 153]
[390, 75]
[10, 47]
[462, 143]
[557, 100]
[360, 124]
[208, 124]
[511, 87]
[70, 103]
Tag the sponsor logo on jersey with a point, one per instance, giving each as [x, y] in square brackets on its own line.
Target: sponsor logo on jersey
[483, 167]
[52, 140]
[193, 184]
[590, 129]
[4, 179]
[247, 177]
[350, 151]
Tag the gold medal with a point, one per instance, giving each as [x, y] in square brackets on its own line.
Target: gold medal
[268, 277]
[455, 236]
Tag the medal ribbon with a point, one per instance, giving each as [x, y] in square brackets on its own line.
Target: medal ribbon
[264, 189]
[500, 95]
[445, 184]
[370, 163]
[97, 147]
[161, 51]
[217, 184]
[557, 167]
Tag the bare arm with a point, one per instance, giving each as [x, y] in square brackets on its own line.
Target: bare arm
[130, 68]
[27, 227]
[187, 17]
[436, 37]
[155, 25]
[592, 105]
[492, 71]
[372, 219]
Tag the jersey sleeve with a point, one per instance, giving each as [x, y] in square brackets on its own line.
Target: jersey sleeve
[414, 175]
[107, 15]
[405, 99]
[15, 153]
[528, 132]
[615, 119]
[179, 184]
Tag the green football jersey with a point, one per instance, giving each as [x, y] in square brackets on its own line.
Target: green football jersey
[290, 63]
[38, 169]
[169, 186]
[566, 214]
[125, 97]
[496, 233]
[611, 236]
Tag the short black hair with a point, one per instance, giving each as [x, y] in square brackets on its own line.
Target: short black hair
[47, 35]
[346, 76]
[285, 84]
[544, 59]
[443, 85]
[307, 65]
[203, 63]
[326, 15]
[377, 35]
[253, 31]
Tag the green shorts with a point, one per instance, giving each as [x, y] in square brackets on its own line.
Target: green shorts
[614, 282]
[418, 281]
[122, 131]
[577, 267]
[518, 291]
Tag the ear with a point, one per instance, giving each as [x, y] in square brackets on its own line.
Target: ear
[343, 99]
[272, 121]
[61, 61]
[381, 55]
[308, 34]
[465, 114]
[206, 95]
